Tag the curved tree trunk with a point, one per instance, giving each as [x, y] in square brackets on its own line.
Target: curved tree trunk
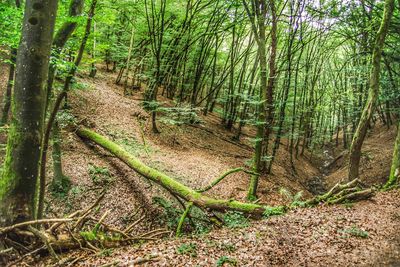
[361, 131]
[21, 167]
[172, 185]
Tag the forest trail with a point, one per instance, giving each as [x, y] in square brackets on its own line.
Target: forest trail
[321, 236]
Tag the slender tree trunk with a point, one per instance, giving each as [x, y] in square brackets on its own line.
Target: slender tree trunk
[395, 169]
[56, 107]
[93, 69]
[10, 83]
[259, 13]
[21, 167]
[361, 131]
[269, 116]
[128, 61]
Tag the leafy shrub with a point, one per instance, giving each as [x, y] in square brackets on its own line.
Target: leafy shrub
[100, 175]
[274, 211]
[294, 199]
[225, 259]
[234, 219]
[60, 188]
[65, 118]
[187, 249]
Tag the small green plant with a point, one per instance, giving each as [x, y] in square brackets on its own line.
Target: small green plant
[348, 205]
[274, 211]
[60, 188]
[170, 214]
[228, 247]
[66, 118]
[294, 199]
[100, 175]
[355, 231]
[234, 219]
[77, 190]
[225, 259]
[106, 252]
[187, 249]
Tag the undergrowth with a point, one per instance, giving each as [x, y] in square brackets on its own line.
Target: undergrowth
[187, 249]
[354, 231]
[225, 259]
[100, 175]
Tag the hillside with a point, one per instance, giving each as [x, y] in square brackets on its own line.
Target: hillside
[325, 235]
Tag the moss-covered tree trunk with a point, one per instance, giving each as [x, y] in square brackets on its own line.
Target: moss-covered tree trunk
[257, 18]
[18, 182]
[361, 131]
[173, 186]
[395, 169]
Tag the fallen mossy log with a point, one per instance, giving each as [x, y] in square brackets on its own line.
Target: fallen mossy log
[175, 187]
[341, 193]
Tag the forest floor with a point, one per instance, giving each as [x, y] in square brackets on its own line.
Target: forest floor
[361, 234]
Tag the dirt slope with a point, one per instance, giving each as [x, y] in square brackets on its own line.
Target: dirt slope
[195, 156]
[366, 234]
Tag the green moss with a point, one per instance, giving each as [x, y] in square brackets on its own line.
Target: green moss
[171, 184]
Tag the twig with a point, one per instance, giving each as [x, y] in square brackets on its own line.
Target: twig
[89, 210]
[45, 240]
[56, 225]
[26, 255]
[23, 224]
[130, 227]
[6, 251]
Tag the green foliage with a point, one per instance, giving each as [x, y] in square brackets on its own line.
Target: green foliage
[295, 200]
[225, 259]
[274, 211]
[170, 215]
[88, 235]
[234, 219]
[10, 31]
[66, 118]
[131, 144]
[60, 187]
[187, 249]
[100, 175]
[355, 231]
[180, 115]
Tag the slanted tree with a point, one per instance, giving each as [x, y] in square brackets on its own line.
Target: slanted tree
[19, 180]
[370, 106]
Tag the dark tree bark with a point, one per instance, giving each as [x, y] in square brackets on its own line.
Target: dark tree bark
[21, 167]
[10, 83]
